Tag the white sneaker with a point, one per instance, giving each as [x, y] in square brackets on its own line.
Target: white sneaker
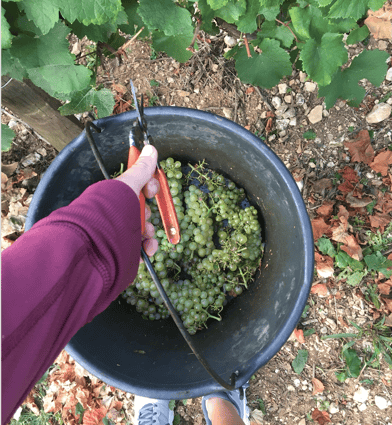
[150, 411]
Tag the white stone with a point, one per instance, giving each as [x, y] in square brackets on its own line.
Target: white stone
[333, 408]
[276, 102]
[310, 86]
[290, 388]
[331, 164]
[272, 137]
[362, 407]
[312, 165]
[379, 113]
[389, 75]
[361, 395]
[383, 45]
[302, 76]
[325, 113]
[316, 114]
[288, 98]
[196, 90]
[297, 382]
[227, 112]
[293, 122]
[369, 175]
[281, 110]
[299, 99]
[230, 41]
[282, 88]
[12, 124]
[300, 185]
[282, 124]
[170, 80]
[381, 402]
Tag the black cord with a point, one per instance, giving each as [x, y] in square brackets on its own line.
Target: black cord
[157, 282]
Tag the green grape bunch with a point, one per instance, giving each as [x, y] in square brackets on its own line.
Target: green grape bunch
[219, 253]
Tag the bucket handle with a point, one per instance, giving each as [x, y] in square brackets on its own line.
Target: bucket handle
[161, 290]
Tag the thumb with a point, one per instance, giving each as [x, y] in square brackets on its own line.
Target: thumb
[142, 171]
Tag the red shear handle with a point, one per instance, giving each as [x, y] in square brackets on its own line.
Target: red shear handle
[166, 208]
[134, 154]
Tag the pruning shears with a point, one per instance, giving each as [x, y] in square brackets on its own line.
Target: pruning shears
[138, 137]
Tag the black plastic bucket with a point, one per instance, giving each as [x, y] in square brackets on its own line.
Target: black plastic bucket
[151, 358]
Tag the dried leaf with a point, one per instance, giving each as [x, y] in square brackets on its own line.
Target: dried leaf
[326, 208]
[381, 162]
[388, 303]
[324, 265]
[346, 187]
[320, 228]
[357, 203]
[384, 288]
[321, 185]
[343, 322]
[352, 248]
[299, 335]
[8, 169]
[318, 386]
[380, 22]
[320, 289]
[343, 213]
[388, 321]
[379, 221]
[268, 127]
[360, 148]
[349, 174]
[320, 417]
[94, 417]
[119, 88]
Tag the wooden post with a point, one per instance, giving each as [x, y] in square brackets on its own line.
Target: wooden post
[39, 110]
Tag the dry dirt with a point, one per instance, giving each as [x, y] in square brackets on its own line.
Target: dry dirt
[208, 82]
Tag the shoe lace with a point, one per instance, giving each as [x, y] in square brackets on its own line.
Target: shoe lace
[150, 415]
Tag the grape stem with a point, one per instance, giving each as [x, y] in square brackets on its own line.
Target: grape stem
[243, 277]
[211, 316]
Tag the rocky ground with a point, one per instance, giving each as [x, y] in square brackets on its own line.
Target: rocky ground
[280, 117]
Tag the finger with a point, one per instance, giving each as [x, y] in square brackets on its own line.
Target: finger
[150, 246]
[151, 188]
[149, 231]
[147, 213]
[142, 171]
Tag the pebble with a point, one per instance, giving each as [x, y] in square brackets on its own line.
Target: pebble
[383, 45]
[379, 113]
[299, 99]
[290, 388]
[282, 124]
[290, 113]
[272, 137]
[25, 132]
[361, 395]
[288, 98]
[381, 402]
[302, 76]
[293, 122]
[282, 88]
[324, 330]
[297, 382]
[170, 80]
[310, 87]
[300, 185]
[312, 165]
[333, 408]
[227, 112]
[304, 387]
[369, 175]
[389, 75]
[281, 110]
[31, 159]
[316, 114]
[362, 407]
[230, 41]
[276, 102]
[325, 113]
[331, 164]
[12, 124]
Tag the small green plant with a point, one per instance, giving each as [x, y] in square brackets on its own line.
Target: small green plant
[309, 135]
[261, 405]
[386, 97]
[309, 332]
[172, 404]
[184, 402]
[300, 361]
[176, 419]
[323, 404]
[305, 312]
[154, 83]
[7, 136]
[351, 129]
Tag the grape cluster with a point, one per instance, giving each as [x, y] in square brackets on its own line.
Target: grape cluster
[218, 255]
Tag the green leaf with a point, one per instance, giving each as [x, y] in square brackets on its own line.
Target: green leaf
[265, 69]
[106, 421]
[44, 13]
[262, 406]
[353, 362]
[309, 332]
[166, 16]
[79, 409]
[25, 26]
[379, 263]
[7, 135]
[176, 419]
[326, 247]
[300, 361]
[174, 46]
[372, 204]
[344, 84]
[341, 377]
[11, 66]
[323, 3]
[90, 11]
[348, 9]
[375, 4]
[270, 29]
[84, 100]
[48, 62]
[309, 135]
[247, 22]
[321, 60]
[135, 22]
[358, 34]
[355, 278]
[217, 4]
[172, 404]
[270, 13]
[309, 23]
[271, 3]
[6, 36]
[334, 336]
[208, 14]
[93, 32]
[232, 11]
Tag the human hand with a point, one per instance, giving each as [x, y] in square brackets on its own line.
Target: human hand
[140, 177]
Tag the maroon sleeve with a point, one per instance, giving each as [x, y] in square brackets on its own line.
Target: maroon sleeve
[60, 274]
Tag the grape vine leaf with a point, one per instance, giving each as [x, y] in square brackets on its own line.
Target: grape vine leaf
[6, 36]
[90, 11]
[353, 362]
[358, 34]
[48, 62]
[232, 11]
[323, 3]
[321, 59]
[217, 4]
[7, 135]
[247, 22]
[300, 361]
[344, 84]
[87, 98]
[269, 29]
[269, 13]
[265, 69]
[352, 9]
[135, 22]
[174, 46]
[166, 16]
[375, 4]
[309, 23]
[11, 66]
[207, 15]
[44, 13]
[25, 26]
[271, 3]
